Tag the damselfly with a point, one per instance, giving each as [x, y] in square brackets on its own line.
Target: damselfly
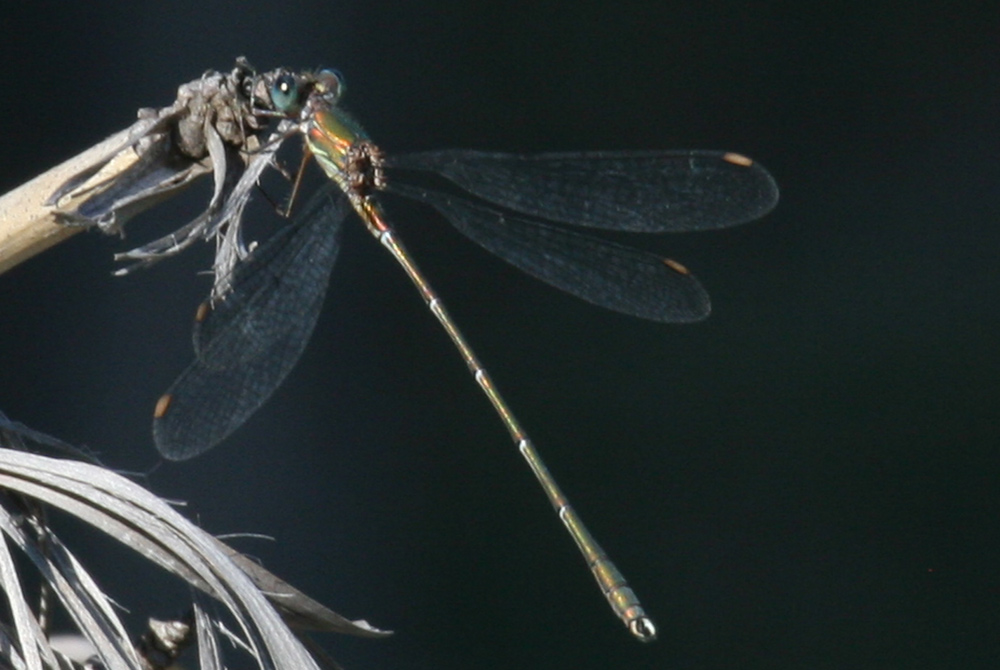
[514, 206]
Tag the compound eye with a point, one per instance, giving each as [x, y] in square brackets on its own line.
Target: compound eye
[331, 82]
[285, 94]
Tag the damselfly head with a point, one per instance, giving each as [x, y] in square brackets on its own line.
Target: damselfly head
[289, 91]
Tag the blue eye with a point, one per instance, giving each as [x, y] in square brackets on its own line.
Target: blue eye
[332, 83]
[285, 94]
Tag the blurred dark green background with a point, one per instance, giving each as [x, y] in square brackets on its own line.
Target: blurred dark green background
[809, 479]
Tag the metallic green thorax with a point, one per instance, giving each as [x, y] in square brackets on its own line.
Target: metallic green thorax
[342, 149]
[338, 142]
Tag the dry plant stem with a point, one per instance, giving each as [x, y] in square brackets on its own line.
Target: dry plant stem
[27, 224]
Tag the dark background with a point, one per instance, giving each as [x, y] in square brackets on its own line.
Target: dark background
[809, 479]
